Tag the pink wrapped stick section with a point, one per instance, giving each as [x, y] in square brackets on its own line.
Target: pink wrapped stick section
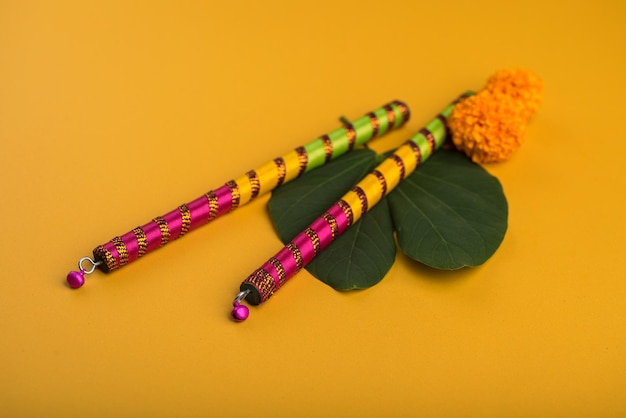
[298, 253]
[158, 232]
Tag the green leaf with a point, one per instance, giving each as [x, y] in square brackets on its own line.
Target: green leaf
[361, 256]
[295, 205]
[450, 213]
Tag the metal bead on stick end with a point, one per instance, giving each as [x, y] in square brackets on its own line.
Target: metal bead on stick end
[76, 279]
[240, 312]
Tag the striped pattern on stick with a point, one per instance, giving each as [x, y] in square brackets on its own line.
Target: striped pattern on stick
[272, 275]
[128, 247]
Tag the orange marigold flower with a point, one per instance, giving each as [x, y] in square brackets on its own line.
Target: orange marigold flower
[490, 125]
[520, 84]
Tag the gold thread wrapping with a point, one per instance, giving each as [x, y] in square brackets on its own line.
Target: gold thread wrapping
[103, 254]
[400, 165]
[213, 204]
[121, 250]
[297, 255]
[244, 188]
[371, 187]
[391, 116]
[292, 165]
[332, 223]
[255, 186]
[142, 241]
[234, 194]
[185, 217]
[416, 151]
[281, 169]
[165, 229]
[444, 123]
[430, 138]
[391, 172]
[280, 269]
[347, 210]
[264, 282]
[408, 159]
[303, 159]
[315, 240]
[268, 178]
[375, 123]
[432, 143]
[403, 109]
[351, 134]
[381, 179]
[362, 197]
[328, 147]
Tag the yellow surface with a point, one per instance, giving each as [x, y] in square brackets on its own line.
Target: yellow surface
[114, 112]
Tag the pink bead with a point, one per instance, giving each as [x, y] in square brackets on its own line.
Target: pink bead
[75, 279]
[240, 312]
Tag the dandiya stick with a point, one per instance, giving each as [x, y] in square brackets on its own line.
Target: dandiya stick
[271, 276]
[161, 230]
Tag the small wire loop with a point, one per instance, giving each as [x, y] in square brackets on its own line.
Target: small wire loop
[241, 296]
[93, 263]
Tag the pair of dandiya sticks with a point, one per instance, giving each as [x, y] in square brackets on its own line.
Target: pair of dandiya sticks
[259, 286]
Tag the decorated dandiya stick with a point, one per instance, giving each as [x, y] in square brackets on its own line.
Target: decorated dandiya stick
[271, 276]
[161, 230]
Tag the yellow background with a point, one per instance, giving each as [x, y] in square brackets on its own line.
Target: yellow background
[114, 112]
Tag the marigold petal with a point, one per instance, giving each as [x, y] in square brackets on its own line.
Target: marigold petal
[490, 125]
